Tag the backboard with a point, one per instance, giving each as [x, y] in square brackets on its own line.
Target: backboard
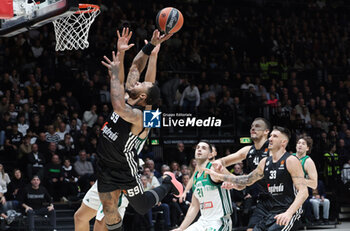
[27, 16]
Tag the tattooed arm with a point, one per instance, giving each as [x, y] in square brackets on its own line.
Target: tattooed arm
[129, 114]
[140, 60]
[241, 181]
[296, 172]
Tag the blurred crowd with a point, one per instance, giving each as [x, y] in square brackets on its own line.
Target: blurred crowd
[233, 62]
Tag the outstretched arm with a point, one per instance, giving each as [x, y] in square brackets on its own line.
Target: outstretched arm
[151, 72]
[129, 114]
[122, 46]
[241, 181]
[140, 60]
[231, 159]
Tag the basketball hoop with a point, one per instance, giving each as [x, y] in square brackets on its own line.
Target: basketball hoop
[72, 31]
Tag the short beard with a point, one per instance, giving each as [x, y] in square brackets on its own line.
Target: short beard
[254, 139]
[131, 95]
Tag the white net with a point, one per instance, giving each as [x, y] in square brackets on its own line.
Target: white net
[72, 31]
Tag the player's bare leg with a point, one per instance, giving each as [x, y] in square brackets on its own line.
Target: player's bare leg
[110, 208]
[82, 218]
[100, 225]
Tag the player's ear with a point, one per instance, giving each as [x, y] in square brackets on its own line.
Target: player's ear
[143, 95]
[267, 131]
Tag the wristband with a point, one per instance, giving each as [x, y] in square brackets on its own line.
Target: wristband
[148, 48]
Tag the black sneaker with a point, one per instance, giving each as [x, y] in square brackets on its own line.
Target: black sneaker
[177, 186]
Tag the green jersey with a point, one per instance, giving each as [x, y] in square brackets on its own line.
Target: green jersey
[215, 202]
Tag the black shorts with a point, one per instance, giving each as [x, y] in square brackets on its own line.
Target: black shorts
[259, 213]
[269, 223]
[122, 177]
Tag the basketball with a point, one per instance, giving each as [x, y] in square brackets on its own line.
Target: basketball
[169, 20]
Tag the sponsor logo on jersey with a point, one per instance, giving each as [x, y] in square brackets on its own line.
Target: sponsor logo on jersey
[108, 133]
[251, 151]
[275, 189]
[281, 165]
[151, 118]
[267, 163]
[206, 205]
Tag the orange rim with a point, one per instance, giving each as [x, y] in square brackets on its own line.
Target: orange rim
[92, 7]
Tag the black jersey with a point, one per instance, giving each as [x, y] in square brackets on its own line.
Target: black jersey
[279, 183]
[118, 146]
[254, 156]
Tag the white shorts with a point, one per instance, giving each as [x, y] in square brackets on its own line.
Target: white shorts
[224, 224]
[92, 200]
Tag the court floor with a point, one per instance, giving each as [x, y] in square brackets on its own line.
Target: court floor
[344, 226]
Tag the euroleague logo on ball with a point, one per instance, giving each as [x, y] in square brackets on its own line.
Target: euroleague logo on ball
[169, 20]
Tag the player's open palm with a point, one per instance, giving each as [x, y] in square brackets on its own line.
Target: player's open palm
[283, 218]
[123, 40]
[157, 38]
[113, 66]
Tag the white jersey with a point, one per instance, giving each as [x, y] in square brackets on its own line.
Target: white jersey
[215, 202]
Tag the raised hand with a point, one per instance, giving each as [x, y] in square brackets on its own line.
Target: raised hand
[157, 38]
[123, 40]
[113, 66]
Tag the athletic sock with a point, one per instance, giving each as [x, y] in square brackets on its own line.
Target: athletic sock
[115, 227]
[161, 191]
